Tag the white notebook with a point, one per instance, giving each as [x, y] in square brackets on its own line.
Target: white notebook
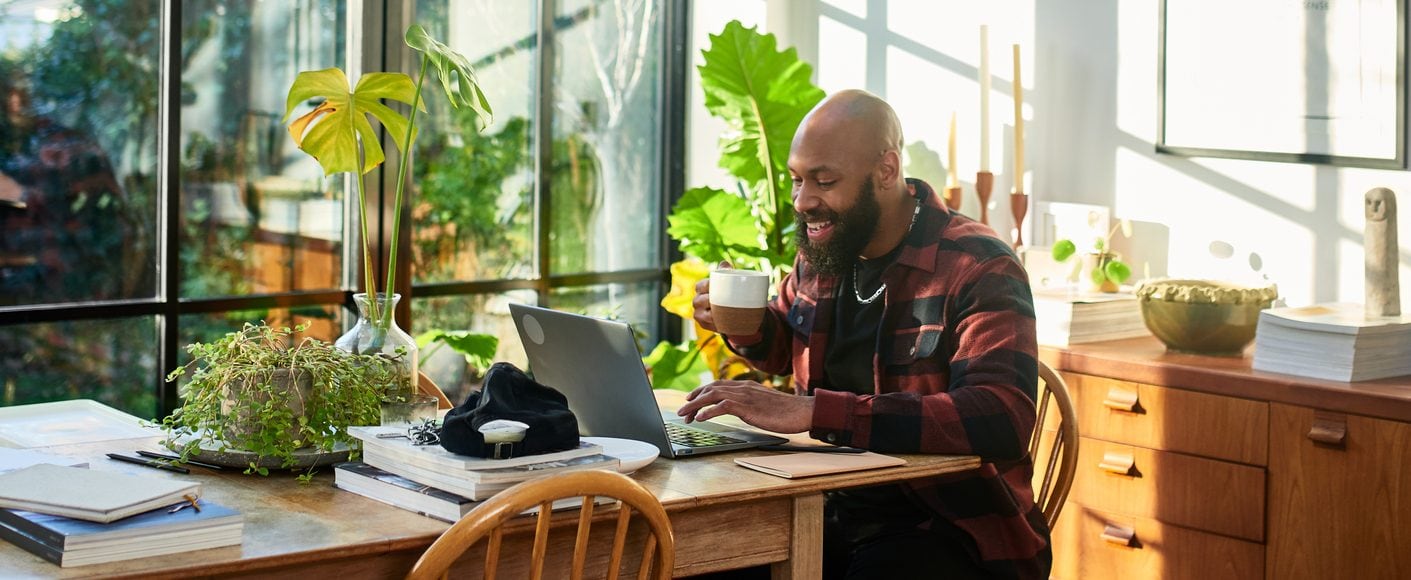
[85, 494]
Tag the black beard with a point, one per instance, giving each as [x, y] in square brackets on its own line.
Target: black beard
[851, 233]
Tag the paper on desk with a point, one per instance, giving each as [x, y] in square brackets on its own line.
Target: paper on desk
[807, 464]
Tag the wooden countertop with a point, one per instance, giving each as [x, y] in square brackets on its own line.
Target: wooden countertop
[1145, 360]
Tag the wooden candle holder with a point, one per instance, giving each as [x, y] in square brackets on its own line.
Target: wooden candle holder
[984, 184]
[1019, 206]
[953, 198]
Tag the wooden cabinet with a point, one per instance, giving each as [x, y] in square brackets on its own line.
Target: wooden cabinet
[1169, 484]
[1199, 467]
[1338, 510]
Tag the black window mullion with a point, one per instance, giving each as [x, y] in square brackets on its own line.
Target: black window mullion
[169, 237]
[676, 66]
[544, 149]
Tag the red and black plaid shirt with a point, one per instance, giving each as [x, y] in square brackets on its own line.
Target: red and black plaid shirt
[955, 371]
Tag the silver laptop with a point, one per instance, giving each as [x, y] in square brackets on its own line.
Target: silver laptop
[594, 362]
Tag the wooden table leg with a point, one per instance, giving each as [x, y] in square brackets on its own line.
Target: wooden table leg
[806, 550]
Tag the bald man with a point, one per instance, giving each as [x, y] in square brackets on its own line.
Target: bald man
[908, 329]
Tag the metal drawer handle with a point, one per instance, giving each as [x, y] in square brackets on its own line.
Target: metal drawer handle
[1121, 399]
[1329, 429]
[1118, 463]
[1126, 537]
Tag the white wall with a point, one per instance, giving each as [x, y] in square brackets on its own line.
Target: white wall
[1090, 74]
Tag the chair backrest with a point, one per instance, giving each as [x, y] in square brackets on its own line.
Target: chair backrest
[486, 520]
[1057, 462]
[426, 386]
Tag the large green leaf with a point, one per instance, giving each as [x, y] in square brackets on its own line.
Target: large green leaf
[676, 367]
[714, 225]
[332, 131]
[763, 94]
[478, 349]
[457, 78]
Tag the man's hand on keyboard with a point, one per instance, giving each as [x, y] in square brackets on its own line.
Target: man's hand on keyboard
[753, 403]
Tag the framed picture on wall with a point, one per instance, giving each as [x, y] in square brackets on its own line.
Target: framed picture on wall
[1305, 81]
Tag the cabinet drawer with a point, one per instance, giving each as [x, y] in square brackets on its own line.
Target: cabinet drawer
[1205, 494]
[1086, 548]
[1171, 419]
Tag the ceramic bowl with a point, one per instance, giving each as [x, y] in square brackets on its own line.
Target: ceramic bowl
[1203, 316]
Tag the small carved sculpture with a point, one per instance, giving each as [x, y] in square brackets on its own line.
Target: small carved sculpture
[1382, 250]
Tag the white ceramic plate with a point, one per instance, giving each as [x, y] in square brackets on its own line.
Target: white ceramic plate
[632, 454]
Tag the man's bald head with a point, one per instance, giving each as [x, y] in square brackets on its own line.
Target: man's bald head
[854, 117]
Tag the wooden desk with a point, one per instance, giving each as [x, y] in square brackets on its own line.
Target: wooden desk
[724, 517]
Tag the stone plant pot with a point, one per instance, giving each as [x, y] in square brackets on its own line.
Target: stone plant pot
[285, 386]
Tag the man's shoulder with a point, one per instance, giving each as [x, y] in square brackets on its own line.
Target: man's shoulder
[968, 240]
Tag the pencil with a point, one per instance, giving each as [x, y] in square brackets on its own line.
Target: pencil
[147, 462]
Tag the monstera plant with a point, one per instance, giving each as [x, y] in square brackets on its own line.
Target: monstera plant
[762, 94]
[339, 134]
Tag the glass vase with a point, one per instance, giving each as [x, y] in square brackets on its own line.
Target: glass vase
[382, 337]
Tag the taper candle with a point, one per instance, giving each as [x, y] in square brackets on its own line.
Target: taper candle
[984, 97]
[952, 178]
[1018, 176]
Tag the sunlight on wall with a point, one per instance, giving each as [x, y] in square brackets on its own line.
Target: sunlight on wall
[842, 56]
[703, 130]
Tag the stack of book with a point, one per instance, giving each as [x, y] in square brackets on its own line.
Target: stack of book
[1336, 342]
[73, 516]
[1062, 318]
[398, 491]
[395, 471]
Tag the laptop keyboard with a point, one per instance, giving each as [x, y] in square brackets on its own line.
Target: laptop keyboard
[692, 437]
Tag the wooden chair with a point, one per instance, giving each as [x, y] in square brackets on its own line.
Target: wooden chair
[426, 386]
[1060, 459]
[487, 519]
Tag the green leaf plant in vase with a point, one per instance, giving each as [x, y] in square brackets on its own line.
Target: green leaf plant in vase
[338, 133]
[262, 398]
[762, 94]
[1102, 267]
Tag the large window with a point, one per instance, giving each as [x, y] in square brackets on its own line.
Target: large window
[150, 195]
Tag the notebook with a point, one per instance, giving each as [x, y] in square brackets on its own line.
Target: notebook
[86, 494]
[796, 465]
[596, 365]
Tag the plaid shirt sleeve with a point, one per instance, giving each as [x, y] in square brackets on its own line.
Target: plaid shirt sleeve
[986, 407]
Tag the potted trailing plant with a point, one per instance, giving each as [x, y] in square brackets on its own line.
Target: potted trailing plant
[263, 397]
[1105, 269]
[762, 93]
[340, 136]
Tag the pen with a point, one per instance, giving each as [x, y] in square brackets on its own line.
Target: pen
[814, 448]
[169, 457]
[148, 463]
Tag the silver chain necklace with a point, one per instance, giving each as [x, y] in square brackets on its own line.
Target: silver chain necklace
[883, 288]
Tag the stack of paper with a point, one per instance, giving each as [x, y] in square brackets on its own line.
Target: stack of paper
[1063, 318]
[1334, 342]
[398, 491]
[473, 477]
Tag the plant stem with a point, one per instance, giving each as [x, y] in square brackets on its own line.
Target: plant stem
[401, 185]
[369, 281]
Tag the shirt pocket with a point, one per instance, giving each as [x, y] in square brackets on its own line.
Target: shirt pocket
[801, 316]
[911, 345]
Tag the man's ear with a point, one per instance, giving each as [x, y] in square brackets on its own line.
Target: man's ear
[888, 170]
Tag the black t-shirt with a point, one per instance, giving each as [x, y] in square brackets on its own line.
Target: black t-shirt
[848, 361]
[867, 512]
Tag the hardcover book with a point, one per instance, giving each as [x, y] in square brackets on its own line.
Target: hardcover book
[484, 483]
[85, 494]
[438, 458]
